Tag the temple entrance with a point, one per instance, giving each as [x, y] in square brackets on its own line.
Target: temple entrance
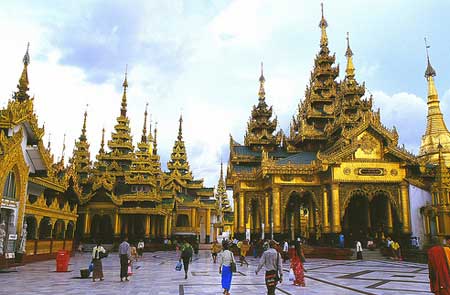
[254, 222]
[369, 219]
[299, 218]
[134, 227]
[101, 229]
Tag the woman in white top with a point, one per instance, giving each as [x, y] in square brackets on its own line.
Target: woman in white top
[97, 261]
[359, 250]
[226, 259]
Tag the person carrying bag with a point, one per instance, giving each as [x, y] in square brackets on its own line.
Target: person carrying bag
[274, 270]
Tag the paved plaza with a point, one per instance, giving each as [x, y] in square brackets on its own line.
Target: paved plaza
[155, 274]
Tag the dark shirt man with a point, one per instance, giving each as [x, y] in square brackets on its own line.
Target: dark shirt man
[125, 257]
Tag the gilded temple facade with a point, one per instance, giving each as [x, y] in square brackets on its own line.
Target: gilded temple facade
[338, 170]
[39, 197]
[125, 191]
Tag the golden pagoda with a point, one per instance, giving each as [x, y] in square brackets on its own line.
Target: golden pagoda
[340, 170]
[127, 193]
[40, 198]
[225, 212]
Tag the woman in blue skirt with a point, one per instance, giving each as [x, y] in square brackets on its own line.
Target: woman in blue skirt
[226, 259]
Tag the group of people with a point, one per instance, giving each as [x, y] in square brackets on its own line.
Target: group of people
[272, 259]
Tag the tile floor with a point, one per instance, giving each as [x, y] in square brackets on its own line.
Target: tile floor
[155, 275]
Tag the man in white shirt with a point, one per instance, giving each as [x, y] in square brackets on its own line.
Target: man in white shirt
[285, 251]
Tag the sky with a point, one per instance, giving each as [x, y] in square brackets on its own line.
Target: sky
[202, 59]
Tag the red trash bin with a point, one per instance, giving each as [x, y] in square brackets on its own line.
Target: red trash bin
[62, 261]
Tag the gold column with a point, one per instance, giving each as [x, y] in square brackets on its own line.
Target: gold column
[208, 223]
[336, 213]
[153, 225]
[276, 200]
[147, 226]
[165, 226]
[116, 223]
[326, 222]
[170, 226]
[194, 219]
[235, 213]
[87, 224]
[405, 206]
[311, 216]
[241, 212]
[266, 213]
[389, 216]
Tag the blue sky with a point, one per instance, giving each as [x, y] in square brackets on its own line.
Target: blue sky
[202, 58]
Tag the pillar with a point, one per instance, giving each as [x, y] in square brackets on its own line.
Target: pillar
[87, 223]
[165, 227]
[266, 213]
[117, 224]
[169, 226]
[311, 216]
[336, 212]
[276, 200]
[389, 217]
[404, 196]
[326, 222]
[194, 219]
[153, 226]
[235, 214]
[147, 226]
[208, 225]
[241, 212]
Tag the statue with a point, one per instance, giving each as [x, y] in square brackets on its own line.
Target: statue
[23, 240]
[2, 236]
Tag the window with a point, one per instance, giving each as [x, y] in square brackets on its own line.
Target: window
[9, 190]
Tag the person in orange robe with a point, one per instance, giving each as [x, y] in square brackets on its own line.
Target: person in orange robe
[438, 267]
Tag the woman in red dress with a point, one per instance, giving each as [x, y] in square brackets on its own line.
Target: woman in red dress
[297, 267]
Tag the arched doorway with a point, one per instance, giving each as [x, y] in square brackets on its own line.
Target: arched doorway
[384, 218]
[300, 216]
[31, 227]
[45, 229]
[69, 231]
[58, 230]
[255, 218]
[356, 218]
[101, 229]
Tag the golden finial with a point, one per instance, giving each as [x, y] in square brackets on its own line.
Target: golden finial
[155, 144]
[63, 149]
[150, 136]
[322, 25]
[102, 143]
[262, 93]
[49, 141]
[350, 70]
[123, 110]
[83, 130]
[180, 128]
[221, 169]
[429, 72]
[22, 94]
[144, 129]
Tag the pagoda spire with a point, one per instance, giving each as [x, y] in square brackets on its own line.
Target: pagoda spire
[155, 143]
[435, 120]
[144, 129]
[63, 149]
[22, 94]
[150, 135]
[323, 26]
[350, 70]
[262, 80]
[102, 143]
[180, 128]
[83, 129]
[123, 110]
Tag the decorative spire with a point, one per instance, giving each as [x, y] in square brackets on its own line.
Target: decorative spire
[323, 25]
[429, 72]
[63, 149]
[144, 129]
[180, 128]
[49, 142]
[150, 136]
[83, 130]
[22, 94]
[262, 93]
[221, 170]
[350, 70]
[155, 144]
[123, 110]
[102, 143]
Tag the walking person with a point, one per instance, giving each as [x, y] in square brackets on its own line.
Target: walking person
[359, 250]
[186, 256]
[225, 260]
[140, 248]
[97, 261]
[285, 250]
[271, 260]
[297, 266]
[215, 249]
[438, 269]
[125, 258]
[245, 246]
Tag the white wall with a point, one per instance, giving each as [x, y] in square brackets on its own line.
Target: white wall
[418, 198]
